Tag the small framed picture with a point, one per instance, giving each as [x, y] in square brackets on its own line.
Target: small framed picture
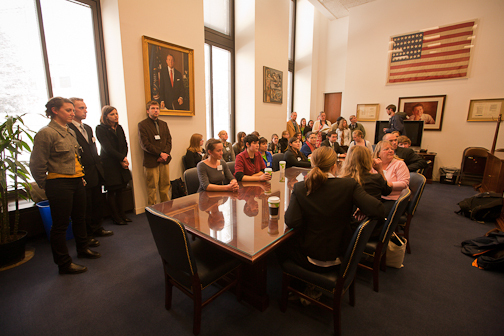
[367, 112]
[272, 86]
[430, 109]
[485, 109]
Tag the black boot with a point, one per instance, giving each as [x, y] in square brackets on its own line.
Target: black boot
[112, 203]
[120, 207]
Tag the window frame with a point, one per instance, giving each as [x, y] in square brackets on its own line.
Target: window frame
[291, 66]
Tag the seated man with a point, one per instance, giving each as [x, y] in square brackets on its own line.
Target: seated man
[412, 160]
[332, 141]
[403, 141]
[249, 165]
[310, 145]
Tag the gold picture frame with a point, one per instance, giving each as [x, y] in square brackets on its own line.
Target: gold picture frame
[485, 109]
[173, 90]
[367, 112]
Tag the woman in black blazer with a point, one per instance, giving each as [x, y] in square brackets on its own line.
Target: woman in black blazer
[294, 157]
[322, 207]
[114, 149]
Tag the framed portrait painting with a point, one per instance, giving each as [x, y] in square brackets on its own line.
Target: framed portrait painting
[169, 76]
[272, 86]
[430, 109]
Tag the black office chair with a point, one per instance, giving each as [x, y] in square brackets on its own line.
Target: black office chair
[191, 266]
[192, 181]
[275, 164]
[374, 257]
[231, 166]
[336, 282]
[416, 185]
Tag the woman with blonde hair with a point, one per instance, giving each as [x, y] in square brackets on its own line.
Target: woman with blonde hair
[322, 206]
[195, 151]
[358, 140]
[343, 132]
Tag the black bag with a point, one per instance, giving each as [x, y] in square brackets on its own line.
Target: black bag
[486, 206]
[178, 188]
[488, 250]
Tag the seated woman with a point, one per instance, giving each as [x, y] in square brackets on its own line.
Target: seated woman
[309, 146]
[267, 157]
[395, 171]
[228, 154]
[238, 147]
[273, 146]
[358, 140]
[284, 142]
[294, 157]
[322, 207]
[213, 172]
[249, 165]
[194, 152]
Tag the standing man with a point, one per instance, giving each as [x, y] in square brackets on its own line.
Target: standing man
[292, 125]
[354, 125]
[171, 86]
[156, 142]
[93, 173]
[332, 141]
[396, 121]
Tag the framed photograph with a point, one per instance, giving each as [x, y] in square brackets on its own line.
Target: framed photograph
[272, 85]
[169, 76]
[430, 109]
[367, 112]
[485, 109]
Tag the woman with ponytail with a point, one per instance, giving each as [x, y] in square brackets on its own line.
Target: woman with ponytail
[322, 207]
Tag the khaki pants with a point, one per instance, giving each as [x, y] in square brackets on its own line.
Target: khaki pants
[158, 179]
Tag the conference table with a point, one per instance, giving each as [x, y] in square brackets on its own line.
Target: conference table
[240, 224]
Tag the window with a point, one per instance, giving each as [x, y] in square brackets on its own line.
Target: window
[292, 44]
[50, 48]
[219, 66]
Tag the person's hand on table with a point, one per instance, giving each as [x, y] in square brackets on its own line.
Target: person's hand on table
[265, 177]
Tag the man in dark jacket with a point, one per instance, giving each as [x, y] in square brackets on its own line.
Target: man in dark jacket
[412, 160]
[93, 171]
[332, 141]
[156, 142]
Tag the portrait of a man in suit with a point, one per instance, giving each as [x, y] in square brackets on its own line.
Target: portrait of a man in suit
[171, 86]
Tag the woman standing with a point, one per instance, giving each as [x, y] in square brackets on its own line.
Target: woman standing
[303, 129]
[238, 147]
[228, 154]
[294, 157]
[213, 172]
[55, 166]
[310, 126]
[195, 151]
[325, 230]
[114, 149]
[358, 140]
[321, 127]
[343, 133]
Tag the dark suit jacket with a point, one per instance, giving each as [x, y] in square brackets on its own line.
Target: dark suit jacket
[412, 160]
[153, 148]
[114, 149]
[89, 157]
[337, 147]
[170, 94]
[325, 215]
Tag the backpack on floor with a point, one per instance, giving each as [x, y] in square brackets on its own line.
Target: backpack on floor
[178, 188]
[488, 250]
[486, 206]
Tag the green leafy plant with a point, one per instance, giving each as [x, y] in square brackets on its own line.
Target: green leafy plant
[14, 174]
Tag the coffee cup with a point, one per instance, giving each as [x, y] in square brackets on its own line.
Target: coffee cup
[274, 206]
[282, 165]
[268, 171]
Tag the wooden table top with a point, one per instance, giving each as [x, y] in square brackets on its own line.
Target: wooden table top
[238, 222]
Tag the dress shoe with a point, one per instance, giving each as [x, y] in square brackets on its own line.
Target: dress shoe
[93, 242]
[89, 254]
[126, 219]
[72, 269]
[118, 221]
[103, 233]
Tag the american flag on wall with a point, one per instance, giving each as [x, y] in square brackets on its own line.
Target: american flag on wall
[436, 53]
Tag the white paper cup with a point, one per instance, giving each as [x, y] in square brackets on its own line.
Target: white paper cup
[282, 165]
[268, 171]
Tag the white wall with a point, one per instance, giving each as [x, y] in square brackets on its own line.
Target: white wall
[124, 23]
[369, 29]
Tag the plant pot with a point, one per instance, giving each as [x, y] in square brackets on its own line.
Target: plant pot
[13, 252]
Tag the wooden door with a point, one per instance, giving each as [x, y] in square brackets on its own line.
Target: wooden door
[332, 106]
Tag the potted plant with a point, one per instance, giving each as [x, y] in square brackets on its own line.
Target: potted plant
[14, 184]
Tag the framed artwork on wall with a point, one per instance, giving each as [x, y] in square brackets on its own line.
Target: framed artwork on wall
[485, 109]
[430, 109]
[367, 112]
[169, 76]
[272, 85]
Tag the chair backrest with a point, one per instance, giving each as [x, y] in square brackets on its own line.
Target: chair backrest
[231, 166]
[276, 161]
[354, 251]
[475, 151]
[394, 216]
[416, 185]
[184, 163]
[172, 244]
[192, 181]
